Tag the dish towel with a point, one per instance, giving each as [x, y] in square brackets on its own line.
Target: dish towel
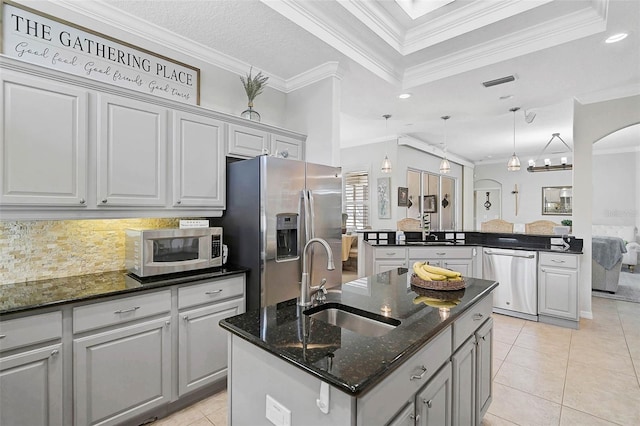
[607, 251]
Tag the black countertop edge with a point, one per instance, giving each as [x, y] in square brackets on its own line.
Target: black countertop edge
[56, 292]
[361, 388]
[545, 248]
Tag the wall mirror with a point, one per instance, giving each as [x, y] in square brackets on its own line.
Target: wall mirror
[556, 200]
[431, 199]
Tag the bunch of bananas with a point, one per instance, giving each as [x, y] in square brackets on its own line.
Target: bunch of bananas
[434, 273]
[436, 303]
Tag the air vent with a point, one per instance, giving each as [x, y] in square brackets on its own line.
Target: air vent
[497, 81]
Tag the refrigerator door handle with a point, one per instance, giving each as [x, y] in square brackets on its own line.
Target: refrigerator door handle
[307, 218]
[312, 215]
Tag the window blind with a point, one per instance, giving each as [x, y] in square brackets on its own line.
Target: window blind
[356, 194]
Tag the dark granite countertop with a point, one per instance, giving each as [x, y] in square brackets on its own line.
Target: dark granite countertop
[29, 295]
[514, 245]
[353, 362]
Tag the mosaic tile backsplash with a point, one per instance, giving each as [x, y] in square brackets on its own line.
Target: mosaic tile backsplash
[33, 250]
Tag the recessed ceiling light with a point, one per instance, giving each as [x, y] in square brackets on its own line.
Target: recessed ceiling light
[616, 37]
[404, 95]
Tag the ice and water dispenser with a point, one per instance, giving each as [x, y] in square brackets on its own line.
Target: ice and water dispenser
[287, 236]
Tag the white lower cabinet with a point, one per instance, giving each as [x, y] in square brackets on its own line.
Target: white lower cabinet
[202, 349]
[464, 383]
[558, 288]
[31, 381]
[484, 369]
[121, 373]
[433, 403]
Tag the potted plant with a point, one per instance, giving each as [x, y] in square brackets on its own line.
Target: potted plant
[567, 222]
[253, 86]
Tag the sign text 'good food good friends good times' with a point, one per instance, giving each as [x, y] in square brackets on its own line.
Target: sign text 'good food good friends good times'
[38, 39]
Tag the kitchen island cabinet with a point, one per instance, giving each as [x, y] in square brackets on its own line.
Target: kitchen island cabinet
[328, 374]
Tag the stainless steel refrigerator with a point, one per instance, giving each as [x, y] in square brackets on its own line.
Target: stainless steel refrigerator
[274, 206]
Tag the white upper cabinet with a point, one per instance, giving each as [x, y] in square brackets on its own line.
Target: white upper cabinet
[198, 157]
[43, 145]
[132, 152]
[247, 142]
[286, 147]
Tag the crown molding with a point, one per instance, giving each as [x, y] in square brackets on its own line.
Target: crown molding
[465, 19]
[311, 17]
[560, 30]
[609, 94]
[326, 70]
[377, 20]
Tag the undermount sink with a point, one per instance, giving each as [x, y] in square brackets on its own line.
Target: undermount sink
[356, 320]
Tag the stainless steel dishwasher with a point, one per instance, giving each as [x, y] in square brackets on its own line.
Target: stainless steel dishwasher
[516, 273]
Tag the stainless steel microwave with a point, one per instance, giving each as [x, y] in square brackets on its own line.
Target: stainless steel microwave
[165, 251]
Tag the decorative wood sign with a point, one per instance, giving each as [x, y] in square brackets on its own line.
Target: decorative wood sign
[40, 39]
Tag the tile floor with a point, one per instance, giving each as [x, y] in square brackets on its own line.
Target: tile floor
[543, 375]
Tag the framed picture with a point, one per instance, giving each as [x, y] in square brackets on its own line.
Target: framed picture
[403, 197]
[384, 198]
[430, 205]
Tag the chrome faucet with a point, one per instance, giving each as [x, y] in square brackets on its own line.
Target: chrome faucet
[306, 289]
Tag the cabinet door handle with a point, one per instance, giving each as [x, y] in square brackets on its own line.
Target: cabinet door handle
[82, 201]
[178, 202]
[123, 311]
[428, 403]
[208, 293]
[421, 375]
[185, 317]
[477, 317]
[167, 323]
[104, 201]
[416, 418]
[54, 353]
[2, 336]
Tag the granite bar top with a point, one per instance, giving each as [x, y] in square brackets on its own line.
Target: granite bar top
[350, 361]
[29, 295]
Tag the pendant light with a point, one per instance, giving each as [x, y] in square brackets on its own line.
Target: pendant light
[514, 162]
[445, 167]
[386, 164]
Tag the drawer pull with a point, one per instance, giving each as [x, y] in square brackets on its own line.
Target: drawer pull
[391, 253]
[477, 317]
[441, 253]
[421, 375]
[2, 336]
[167, 323]
[185, 317]
[124, 311]
[429, 403]
[213, 292]
[415, 417]
[557, 261]
[54, 353]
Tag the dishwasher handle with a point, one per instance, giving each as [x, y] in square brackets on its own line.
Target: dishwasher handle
[524, 256]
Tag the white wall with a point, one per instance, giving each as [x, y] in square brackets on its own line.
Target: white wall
[616, 178]
[369, 157]
[529, 191]
[315, 111]
[591, 123]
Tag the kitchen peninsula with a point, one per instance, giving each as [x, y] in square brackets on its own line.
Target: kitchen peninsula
[420, 360]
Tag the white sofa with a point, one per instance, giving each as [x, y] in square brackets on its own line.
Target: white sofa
[628, 233]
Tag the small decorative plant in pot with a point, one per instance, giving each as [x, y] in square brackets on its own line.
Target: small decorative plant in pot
[567, 222]
[253, 86]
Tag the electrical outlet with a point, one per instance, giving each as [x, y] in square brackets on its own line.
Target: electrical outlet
[277, 413]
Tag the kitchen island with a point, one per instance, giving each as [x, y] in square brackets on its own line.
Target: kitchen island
[431, 362]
